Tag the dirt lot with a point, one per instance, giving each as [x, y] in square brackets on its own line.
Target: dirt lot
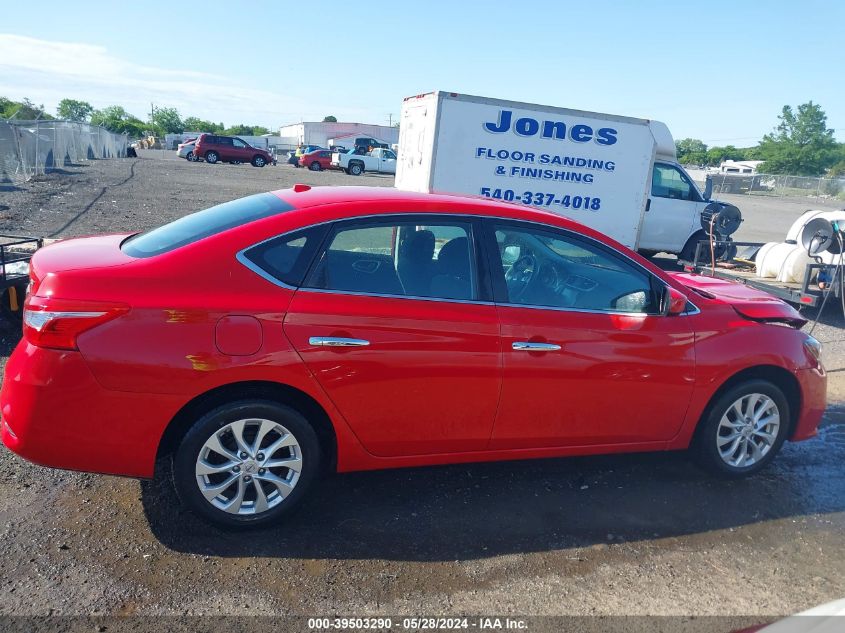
[643, 534]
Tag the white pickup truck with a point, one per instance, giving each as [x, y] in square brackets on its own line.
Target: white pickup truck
[379, 160]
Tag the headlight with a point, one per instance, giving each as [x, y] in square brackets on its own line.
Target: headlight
[813, 347]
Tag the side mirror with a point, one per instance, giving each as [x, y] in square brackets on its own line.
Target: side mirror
[673, 302]
[708, 188]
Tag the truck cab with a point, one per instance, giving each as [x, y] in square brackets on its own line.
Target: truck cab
[673, 210]
[672, 218]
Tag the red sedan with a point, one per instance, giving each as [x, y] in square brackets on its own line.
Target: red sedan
[267, 339]
[317, 160]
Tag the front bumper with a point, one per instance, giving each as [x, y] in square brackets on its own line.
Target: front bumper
[813, 385]
[56, 414]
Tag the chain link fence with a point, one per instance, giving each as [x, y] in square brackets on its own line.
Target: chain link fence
[31, 148]
[780, 185]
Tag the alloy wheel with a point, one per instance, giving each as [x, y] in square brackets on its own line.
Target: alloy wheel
[747, 430]
[249, 466]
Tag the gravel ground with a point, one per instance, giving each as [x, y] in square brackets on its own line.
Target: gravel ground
[637, 534]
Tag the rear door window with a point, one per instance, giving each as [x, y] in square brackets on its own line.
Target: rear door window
[435, 259]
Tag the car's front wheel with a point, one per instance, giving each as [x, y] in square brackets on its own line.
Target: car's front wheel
[258, 161]
[189, 156]
[247, 463]
[743, 429]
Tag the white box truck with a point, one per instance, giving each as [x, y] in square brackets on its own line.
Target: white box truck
[616, 174]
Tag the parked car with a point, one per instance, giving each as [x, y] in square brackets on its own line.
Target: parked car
[379, 160]
[265, 340]
[186, 150]
[307, 149]
[315, 161]
[214, 148]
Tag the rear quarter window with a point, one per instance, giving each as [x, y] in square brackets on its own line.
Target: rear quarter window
[202, 224]
[285, 258]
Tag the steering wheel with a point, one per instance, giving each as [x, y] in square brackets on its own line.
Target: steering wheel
[520, 276]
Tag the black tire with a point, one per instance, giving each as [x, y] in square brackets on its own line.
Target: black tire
[185, 462]
[688, 251]
[258, 161]
[355, 169]
[705, 443]
[723, 252]
[211, 157]
[315, 166]
[189, 156]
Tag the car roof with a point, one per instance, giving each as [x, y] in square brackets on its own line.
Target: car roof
[306, 197]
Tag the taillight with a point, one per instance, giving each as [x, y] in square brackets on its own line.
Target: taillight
[57, 323]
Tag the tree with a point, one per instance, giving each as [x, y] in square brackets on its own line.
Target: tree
[329, 119]
[116, 119]
[801, 144]
[194, 124]
[691, 151]
[167, 121]
[73, 110]
[715, 155]
[24, 110]
[246, 130]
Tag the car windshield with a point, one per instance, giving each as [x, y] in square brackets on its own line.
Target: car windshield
[202, 224]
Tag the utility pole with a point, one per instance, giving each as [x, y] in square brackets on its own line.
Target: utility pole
[390, 119]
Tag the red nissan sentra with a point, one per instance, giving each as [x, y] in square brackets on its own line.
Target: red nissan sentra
[267, 339]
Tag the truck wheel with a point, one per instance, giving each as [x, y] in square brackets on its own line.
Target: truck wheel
[356, 169]
[212, 157]
[688, 251]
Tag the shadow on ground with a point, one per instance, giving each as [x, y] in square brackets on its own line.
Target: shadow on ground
[484, 510]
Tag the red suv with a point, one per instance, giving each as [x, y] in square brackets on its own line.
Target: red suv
[214, 148]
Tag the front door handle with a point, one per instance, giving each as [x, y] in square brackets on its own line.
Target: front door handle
[531, 346]
[336, 341]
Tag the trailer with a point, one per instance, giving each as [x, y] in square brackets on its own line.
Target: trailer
[15, 254]
[742, 268]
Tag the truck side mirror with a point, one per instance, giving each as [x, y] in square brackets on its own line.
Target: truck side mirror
[708, 187]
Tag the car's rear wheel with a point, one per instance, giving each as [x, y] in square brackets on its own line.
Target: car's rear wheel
[247, 463]
[743, 429]
[356, 169]
[212, 157]
[258, 161]
[315, 166]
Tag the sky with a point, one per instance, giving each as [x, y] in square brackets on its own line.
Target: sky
[718, 71]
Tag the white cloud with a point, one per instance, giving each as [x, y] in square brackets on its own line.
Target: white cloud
[47, 72]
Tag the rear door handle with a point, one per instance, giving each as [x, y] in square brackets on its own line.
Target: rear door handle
[531, 346]
[336, 341]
